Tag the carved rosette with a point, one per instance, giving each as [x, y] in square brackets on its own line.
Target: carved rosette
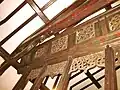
[114, 22]
[88, 61]
[85, 33]
[34, 73]
[59, 44]
[55, 69]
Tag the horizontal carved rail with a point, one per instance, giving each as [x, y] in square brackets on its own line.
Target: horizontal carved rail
[82, 40]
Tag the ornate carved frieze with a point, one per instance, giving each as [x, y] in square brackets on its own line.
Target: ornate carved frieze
[85, 33]
[114, 22]
[41, 51]
[88, 61]
[34, 73]
[59, 44]
[55, 69]
[92, 60]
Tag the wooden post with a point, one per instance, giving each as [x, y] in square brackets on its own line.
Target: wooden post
[22, 81]
[110, 73]
[64, 81]
[38, 81]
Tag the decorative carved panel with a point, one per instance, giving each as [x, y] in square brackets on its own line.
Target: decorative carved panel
[88, 61]
[114, 22]
[34, 73]
[59, 44]
[41, 51]
[85, 33]
[55, 69]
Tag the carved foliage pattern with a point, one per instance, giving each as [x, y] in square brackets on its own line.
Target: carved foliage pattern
[55, 69]
[59, 44]
[85, 33]
[88, 61]
[34, 73]
[114, 22]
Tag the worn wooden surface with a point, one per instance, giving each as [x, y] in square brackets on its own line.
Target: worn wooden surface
[76, 49]
[110, 73]
[73, 17]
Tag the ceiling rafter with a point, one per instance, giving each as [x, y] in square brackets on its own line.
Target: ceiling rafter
[13, 13]
[8, 61]
[24, 23]
[38, 10]
[67, 21]
[48, 4]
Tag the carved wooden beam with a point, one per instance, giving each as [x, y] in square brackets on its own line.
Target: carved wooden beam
[68, 20]
[75, 16]
[110, 73]
[57, 17]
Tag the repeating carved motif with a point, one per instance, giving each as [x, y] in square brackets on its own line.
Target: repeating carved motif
[85, 33]
[59, 44]
[88, 61]
[114, 22]
[34, 74]
[55, 69]
[41, 51]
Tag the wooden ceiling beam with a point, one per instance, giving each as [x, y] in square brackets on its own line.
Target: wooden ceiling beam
[24, 23]
[8, 61]
[36, 8]
[68, 20]
[17, 29]
[12, 13]
[48, 4]
[75, 16]
[60, 15]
